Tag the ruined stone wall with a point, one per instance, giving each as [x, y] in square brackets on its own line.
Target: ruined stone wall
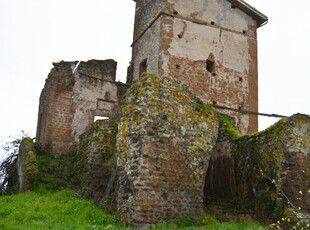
[98, 153]
[70, 101]
[263, 169]
[193, 33]
[164, 143]
[55, 111]
[27, 167]
[281, 153]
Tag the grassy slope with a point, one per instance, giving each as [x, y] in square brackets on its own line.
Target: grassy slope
[44, 210]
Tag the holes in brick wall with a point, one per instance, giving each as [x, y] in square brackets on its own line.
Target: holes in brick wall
[240, 107]
[244, 31]
[180, 36]
[96, 118]
[210, 66]
[213, 74]
[233, 6]
[143, 67]
[240, 79]
[214, 102]
[175, 12]
[107, 96]
[212, 23]
[177, 66]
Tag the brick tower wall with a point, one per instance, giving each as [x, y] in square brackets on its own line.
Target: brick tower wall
[55, 111]
[188, 37]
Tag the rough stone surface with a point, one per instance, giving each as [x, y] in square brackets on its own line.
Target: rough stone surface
[98, 151]
[179, 37]
[70, 101]
[271, 167]
[220, 179]
[165, 151]
[282, 154]
[164, 143]
[27, 167]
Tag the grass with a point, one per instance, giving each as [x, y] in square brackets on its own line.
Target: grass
[45, 210]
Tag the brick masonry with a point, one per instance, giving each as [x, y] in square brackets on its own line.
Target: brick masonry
[181, 38]
[70, 101]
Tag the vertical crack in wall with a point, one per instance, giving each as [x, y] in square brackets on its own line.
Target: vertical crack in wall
[221, 53]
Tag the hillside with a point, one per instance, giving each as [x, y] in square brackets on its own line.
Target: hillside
[62, 210]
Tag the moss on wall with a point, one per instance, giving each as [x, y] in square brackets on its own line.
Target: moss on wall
[272, 166]
[97, 155]
[27, 165]
[165, 140]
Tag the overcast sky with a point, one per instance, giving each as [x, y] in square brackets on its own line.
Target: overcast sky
[35, 33]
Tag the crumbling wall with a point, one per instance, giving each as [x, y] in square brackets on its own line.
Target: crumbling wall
[164, 143]
[276, 160]
[95, 93]
[27, 167]
[55, 111]
[70, 101]
[209, 45]
[97, 154]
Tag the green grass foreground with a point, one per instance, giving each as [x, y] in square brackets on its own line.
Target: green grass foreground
[45, 210]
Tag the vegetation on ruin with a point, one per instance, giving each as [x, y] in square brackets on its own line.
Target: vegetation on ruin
[229, 126]
[8, 169]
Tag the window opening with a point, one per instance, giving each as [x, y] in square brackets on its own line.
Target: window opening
[143, 66]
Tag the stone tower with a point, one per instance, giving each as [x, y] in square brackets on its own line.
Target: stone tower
[211, 45]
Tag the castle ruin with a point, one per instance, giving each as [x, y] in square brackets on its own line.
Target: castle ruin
[164, 148]
[211, 45]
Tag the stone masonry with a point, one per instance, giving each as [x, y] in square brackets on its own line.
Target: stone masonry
[165, 149]
[164, 143]
[211, 45]
[70, 101]
[273, 163]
